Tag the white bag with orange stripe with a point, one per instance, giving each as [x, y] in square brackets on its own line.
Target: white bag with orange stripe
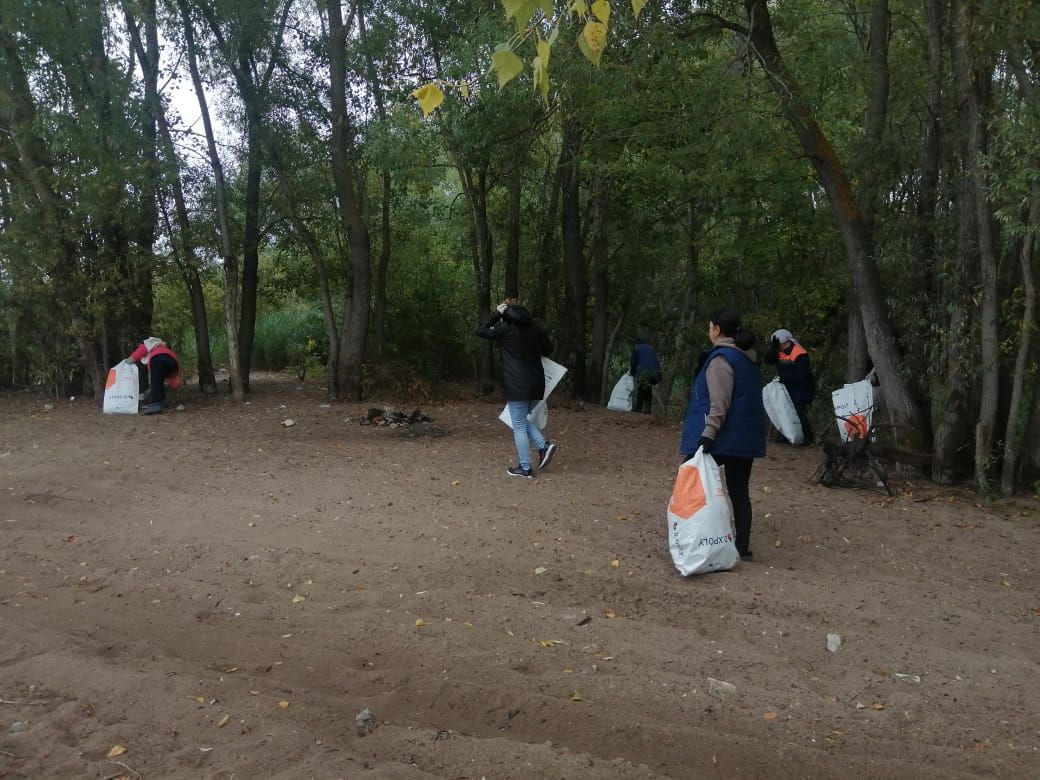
[121, 389]
[700, 519]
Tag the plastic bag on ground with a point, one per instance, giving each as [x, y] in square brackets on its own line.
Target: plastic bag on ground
[121, 389]
[781, 411]
[700, 519]
[621, 395]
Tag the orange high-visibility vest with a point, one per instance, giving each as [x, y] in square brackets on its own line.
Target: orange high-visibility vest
[796, 352]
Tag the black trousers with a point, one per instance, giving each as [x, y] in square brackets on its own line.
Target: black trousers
[738, 479]
[644, 397]
[159, 367]
[803, 417]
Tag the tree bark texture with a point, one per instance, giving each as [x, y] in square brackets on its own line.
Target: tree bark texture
[354, 335]
[475, 188]
[573, 254]
[227, 253]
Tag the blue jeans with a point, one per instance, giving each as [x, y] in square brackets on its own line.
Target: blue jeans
[524, 429]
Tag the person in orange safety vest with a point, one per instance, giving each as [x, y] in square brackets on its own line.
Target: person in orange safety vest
[794, 368]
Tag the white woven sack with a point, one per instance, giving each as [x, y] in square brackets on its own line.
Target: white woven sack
[700, 519]
[121, 389]
[781, 411]
[621, 395]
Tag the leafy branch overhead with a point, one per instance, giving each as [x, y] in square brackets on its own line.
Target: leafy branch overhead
[537, 21]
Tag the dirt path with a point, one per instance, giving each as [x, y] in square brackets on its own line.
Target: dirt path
[162, 576]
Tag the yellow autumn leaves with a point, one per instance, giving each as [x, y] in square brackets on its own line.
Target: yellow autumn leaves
[506, 64]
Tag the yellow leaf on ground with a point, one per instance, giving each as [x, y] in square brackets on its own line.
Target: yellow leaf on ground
[550, 642]
[116, 750]
[771, 716]
[199, 699]
[283, 704]
[298, 599]
[615, 563]
[420, 623]
[877, 706]
[576, 697]
[223, 721]
[609, 613]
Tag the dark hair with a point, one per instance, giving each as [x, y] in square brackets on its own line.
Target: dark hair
[729, 322]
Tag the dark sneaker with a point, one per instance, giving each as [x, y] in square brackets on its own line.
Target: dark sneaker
[546, 454]
[153, 409]
[518, 471]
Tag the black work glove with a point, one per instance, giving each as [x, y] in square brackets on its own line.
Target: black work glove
[707, 444]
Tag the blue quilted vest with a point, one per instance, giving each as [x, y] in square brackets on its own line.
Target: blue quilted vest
[743, 432]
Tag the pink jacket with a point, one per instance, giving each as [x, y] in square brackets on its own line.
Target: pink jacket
[144, 354]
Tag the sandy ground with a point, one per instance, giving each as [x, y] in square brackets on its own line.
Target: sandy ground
[207, 593]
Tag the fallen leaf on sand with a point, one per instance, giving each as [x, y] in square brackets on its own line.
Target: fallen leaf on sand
[771, 716]
[420, 623]
[541, 570]
[1007, 583]
[615, 563]
[609, 613]
[298, 599]
[223, 721]
[283, 704]
[199, 699]
[550, 642]
[116, 750]
[454, 482]
[877, 706]
[576, 697]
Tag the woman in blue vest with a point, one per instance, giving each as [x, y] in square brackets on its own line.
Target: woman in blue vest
[725, 415]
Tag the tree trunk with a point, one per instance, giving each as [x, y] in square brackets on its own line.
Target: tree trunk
[227, 253]
[600, 279]
[930, 152]
[950, 438]
[310, 241]
[354, 335]
[573, 254]
[385, 233]
[512, 269]
[250, 242]
[685, 325]
[476, 192]
[546, 243]
[857, 355]
[608, 350]
[978, 90]
[900, 398]
[1017, 415]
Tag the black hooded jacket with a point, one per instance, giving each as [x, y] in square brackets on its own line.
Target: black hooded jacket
[524, 342]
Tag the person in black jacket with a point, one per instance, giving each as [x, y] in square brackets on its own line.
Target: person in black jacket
[645, 368]
[524, 341]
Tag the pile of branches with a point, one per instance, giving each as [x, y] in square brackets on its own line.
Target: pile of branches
[393, 419]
